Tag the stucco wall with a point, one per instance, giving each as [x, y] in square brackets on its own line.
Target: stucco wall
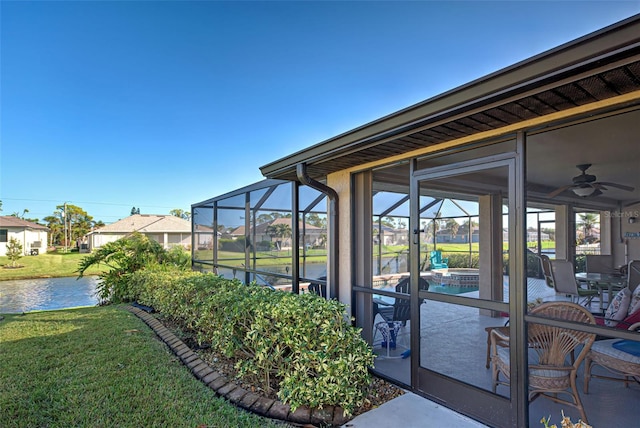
[340, 182]
[27, 238]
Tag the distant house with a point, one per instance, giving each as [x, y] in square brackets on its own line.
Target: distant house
[32, 236]
[460, 237]
[392, 236]
[167, 230]
[313, 236]
[532, 235]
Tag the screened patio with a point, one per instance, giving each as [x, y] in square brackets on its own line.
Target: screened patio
[540, 158]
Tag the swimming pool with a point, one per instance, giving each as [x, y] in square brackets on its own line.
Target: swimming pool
[25, 295]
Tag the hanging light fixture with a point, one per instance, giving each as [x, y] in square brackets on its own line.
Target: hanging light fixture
[584, 191]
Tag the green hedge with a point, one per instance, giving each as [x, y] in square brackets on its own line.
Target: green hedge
[302, 343]
[461, 260]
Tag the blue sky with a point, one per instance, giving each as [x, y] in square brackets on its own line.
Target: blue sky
[161, 104]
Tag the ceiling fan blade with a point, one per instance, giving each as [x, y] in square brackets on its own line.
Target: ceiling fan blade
[598, 186]
[559, 190]
[619, 186]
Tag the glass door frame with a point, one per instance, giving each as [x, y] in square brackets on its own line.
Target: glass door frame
[478, 403]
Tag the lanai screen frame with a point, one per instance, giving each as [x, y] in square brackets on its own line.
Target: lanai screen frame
[296, 201]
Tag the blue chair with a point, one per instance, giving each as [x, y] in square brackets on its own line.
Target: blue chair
[437, 262]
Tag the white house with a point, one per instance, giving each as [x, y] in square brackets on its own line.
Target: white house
[168, 230]
[32, 236]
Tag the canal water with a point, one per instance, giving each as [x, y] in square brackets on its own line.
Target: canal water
[25, 295]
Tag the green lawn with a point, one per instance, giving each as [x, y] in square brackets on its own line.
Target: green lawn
[101, 367]
[265, 258]
[46, 266]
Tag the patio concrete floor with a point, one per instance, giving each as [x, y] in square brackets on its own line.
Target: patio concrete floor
[452, 328]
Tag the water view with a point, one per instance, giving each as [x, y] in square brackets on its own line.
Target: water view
[25, 295]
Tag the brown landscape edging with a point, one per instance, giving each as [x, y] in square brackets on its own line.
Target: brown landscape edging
[226, 388]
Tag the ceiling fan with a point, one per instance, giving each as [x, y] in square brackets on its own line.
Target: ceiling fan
[586, 185]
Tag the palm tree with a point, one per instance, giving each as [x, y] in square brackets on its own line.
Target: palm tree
[279, 231]
[452, 226]
[588, 221]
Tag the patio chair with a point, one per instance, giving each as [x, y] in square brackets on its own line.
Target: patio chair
[597, 263]
[545, 262]
[633, 274]
[318, 288]
[564, 280]
[395, 315]
[612, 355]
[436, 261]
[551, 371]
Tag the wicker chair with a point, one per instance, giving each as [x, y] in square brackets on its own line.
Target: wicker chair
[551, 371]
[624, 365]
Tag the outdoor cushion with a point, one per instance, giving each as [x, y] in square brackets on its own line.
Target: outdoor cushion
[630, 346]
[632, 319]
[625, 323]
[503, 353]
[634, 306]
[606, 347]
[618, 308]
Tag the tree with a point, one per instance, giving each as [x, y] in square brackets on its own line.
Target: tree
[389, 222]
[588, 222]
[177, 212]
[125, 256]
[452, 226]
[54, 223]
[14, 252]
[78, 222]
[135, 210]
[468, 226]
[22, 217]
[278, 231]
[316, 220]
[18, 215]
[75, 222]
[265, 218]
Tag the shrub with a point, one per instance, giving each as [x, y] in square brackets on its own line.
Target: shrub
[461, 260]
[300, 343]
[124, 257]
[234, 245]
[265, 246]
[14, 252]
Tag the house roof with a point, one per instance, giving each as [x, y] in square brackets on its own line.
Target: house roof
[11, 221]
[147, 223]
[600, 66]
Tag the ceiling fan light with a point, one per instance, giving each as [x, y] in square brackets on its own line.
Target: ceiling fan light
[583, 191]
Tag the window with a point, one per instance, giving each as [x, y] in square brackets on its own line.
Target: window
[3, 235]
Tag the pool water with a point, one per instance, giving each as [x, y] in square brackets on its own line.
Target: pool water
[450, 289]
[25, 295]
